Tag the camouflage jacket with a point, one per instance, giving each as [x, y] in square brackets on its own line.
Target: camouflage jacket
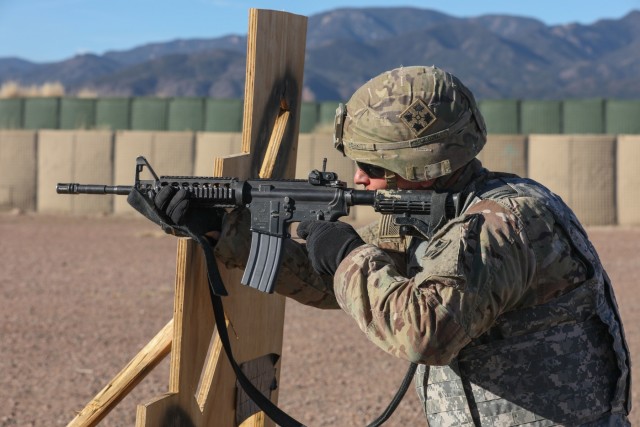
[509, 304]
[495, 296]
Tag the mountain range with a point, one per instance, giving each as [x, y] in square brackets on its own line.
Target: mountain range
[497, 56]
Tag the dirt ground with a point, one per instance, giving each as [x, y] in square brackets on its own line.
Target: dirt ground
[80, 296]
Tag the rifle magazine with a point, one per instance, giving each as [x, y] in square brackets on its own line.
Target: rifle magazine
[263, 263]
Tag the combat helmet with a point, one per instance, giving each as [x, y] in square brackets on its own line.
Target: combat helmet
[419, 122]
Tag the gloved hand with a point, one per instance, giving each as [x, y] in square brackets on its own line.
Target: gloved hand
[176, 204]
[328, 243]
[170, 208]
[173, 203]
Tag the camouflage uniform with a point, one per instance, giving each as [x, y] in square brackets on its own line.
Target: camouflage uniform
[510, 307]
[507, 307]
[508, 302]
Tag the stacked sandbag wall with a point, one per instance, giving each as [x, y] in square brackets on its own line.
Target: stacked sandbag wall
[74, 156]
[18, 170]
[628, 179]
[581, 170]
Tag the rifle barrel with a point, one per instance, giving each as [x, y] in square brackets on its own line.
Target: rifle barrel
[363, 197]
[73, 188]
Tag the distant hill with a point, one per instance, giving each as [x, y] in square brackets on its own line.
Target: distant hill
[497, 56]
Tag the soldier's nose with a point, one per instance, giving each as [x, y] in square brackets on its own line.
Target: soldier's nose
[361, 178]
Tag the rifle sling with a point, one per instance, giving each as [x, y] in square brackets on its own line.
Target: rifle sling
[280, 417]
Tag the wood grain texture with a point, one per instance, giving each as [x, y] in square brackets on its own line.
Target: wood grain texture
[202, 385]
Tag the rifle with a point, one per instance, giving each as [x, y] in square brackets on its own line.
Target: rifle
[277, 203]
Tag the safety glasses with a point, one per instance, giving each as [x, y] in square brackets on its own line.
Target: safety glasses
[371, 170]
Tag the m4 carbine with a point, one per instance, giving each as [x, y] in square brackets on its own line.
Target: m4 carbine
[276, 203]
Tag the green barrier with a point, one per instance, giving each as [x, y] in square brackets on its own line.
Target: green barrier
[186, 114]
[77, 113]
[223, 115]
[540, 116]
[586, 116]
[502, 116]
[113, 113]
[327, 113]
[149, 113]
[11, 113]
[583, 116]
[622, 116]
[41, 113]
[309, 112]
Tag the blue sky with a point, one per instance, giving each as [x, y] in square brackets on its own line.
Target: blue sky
[52, 30]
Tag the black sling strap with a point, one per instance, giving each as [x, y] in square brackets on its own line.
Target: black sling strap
[280, 417]
[215, 282]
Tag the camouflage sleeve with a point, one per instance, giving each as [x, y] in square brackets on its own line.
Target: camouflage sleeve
[473, 269]
[369, 232]
[296, 279]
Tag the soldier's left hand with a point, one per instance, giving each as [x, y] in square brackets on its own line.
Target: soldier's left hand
[328, 243]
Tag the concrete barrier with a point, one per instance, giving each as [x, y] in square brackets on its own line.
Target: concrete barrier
[210, 145]
[628, 179]
[313, 148]
[18, 170]
[505, 153]
[581, 170]
[74, 156]
[169, 153]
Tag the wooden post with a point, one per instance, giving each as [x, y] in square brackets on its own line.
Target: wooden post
[202, 386]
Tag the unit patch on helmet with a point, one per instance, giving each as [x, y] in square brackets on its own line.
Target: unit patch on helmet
[418, 117]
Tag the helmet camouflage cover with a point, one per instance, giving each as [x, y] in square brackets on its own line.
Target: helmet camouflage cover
[419, 122]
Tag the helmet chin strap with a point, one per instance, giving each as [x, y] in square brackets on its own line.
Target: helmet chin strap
[443, 181]
[391, 178]
[447, 181]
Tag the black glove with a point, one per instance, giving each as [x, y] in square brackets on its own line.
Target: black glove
[328, 243]
[173, 203]
[170, 208]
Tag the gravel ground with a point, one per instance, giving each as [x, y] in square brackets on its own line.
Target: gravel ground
[80, 296]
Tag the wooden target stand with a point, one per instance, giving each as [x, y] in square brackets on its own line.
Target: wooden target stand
[202, 384]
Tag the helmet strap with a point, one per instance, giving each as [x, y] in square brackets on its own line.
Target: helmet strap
[446, 182]
[391, 178]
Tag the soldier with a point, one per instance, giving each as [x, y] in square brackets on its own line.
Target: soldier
[506, 308]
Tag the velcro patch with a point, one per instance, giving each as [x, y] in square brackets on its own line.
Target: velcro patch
[418, 117]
